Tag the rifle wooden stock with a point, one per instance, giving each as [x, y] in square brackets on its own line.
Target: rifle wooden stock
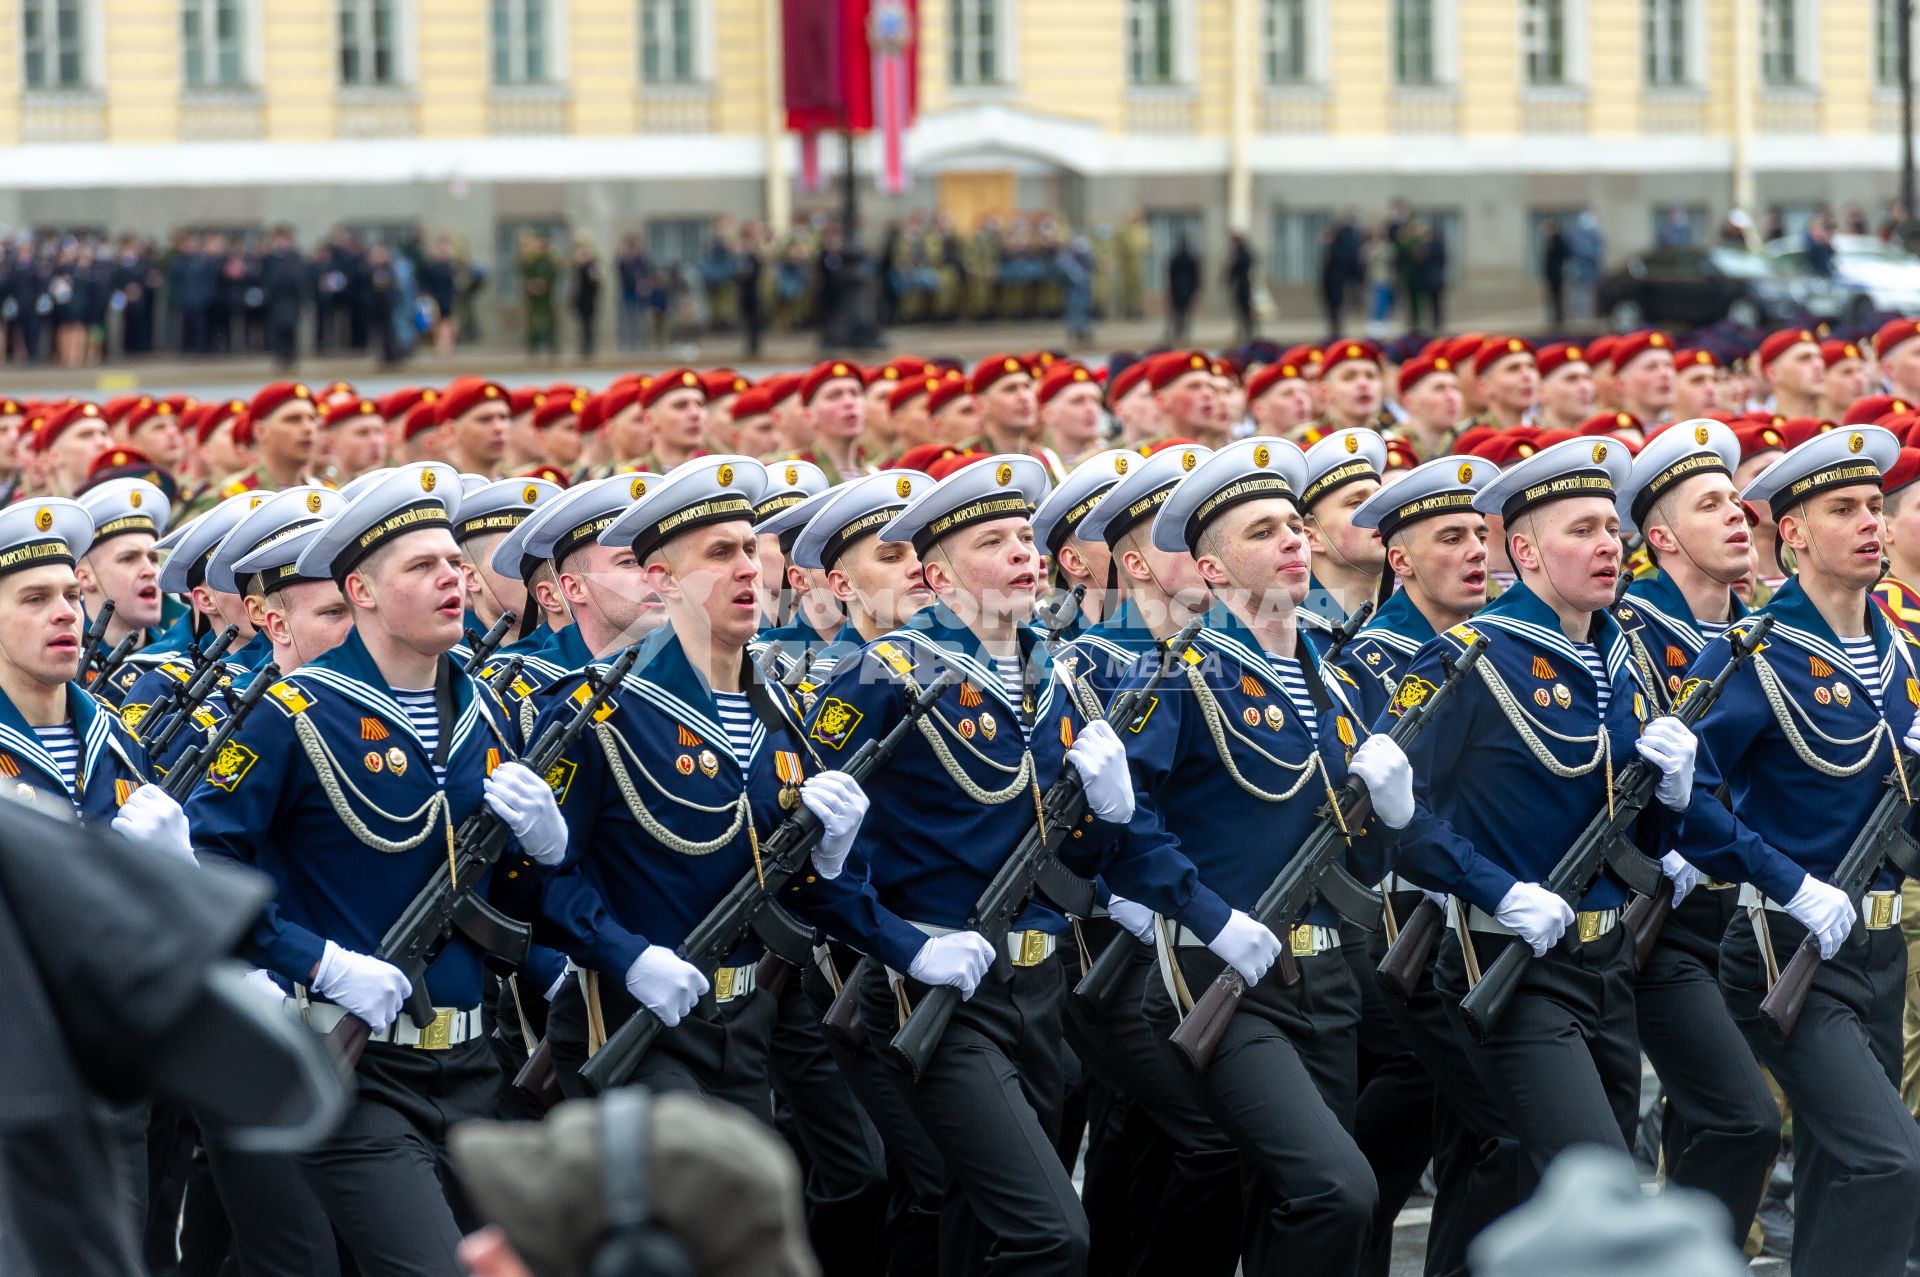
[842, 1020]
[1644, 920]
[1407, 957]
[773, 973]
[1780, 1009]
[537, 1081]
[348, 1040]
[1198, 1034]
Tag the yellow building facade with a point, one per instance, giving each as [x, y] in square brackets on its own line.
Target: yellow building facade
[609, 117]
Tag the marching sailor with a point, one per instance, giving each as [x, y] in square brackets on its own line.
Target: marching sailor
[120, 567]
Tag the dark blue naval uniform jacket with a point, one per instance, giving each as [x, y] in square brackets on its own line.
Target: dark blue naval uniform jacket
[1663, 632]
[112, 764]
[156, 676]
[623, 888]
[1788, 819]
[926, 849]
[1200, 845]
[262, 803]
[1379, 654]
[1488, 813]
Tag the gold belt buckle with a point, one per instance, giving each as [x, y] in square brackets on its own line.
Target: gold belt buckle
[723, 984]
[1590, 925]
[1300, 940]
[1033, 949]
[438, 1034]
[1880, 909]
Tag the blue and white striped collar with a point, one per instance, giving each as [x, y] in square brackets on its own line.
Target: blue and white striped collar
[1798, 621]
[93, 727]
[664, 678]
[1522, 613]
[945, 640]
[350, 670]
[1657, 595]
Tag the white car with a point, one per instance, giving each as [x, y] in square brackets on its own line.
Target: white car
[1876, 275]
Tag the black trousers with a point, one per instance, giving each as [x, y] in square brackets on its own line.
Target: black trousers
[990, 1100]
[719, 1050]
[1393, 1114]
[1856, 1148]
[1476, 1158]
[1723, 1128]
[1185, 1207]
[279, 1227]
[1281, 1086]
[383, 1178]
[1564, 1063]
[840, 1155]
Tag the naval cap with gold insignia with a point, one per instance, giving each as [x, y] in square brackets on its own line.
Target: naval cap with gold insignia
[1584, 467]
[1246, 470]
[500, 506]
[1343, 457]
[264, 525]
[701, 492]
[853, 510]
[273, 562]
[1684, 449]
[419, 497]
[1080, 494]
[189, 546]
[1138, 496]
[787, 524]
[1446, 485]
[119, 506]
[1005, 486]
[575, 518]
[1836, 459]
[788, 484]
[361, 482]
[49, 530]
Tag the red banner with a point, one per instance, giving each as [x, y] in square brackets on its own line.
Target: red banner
[829, 61]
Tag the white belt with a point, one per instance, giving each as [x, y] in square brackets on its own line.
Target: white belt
[1024, 948]
[1879, 910]
[448, 1028]
[1304, 941]
[1588, 925]
[733, 982]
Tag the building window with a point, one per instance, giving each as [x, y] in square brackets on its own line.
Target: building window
[1414, 61]
[1543, 41]
[520, 42]
[1780, 35]
[1151, 37]
[369, 43]
[1665, 41]
[669, 42]
[1886, 44]
[1283, 42]
[973, 42]
[212, 47]
[1299, 238]
[53, 44]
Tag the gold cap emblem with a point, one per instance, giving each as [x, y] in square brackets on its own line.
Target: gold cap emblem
[43, 519]
[1004, 475]
[725, 477]
[427, 480]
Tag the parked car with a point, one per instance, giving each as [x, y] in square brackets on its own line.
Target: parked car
[1874, 276]
[1692, 287]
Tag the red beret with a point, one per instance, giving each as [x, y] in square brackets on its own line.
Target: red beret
[1347, 350]
[12, 407]
[752, 402]
[911, 388]
[1600, 350]
[1869, 409]
[922, 456]
[524, 399]
[1633, 345]
[1504, 447]
[950, 461]
[816, 377]
[1904, 425]
[899, 368]
[1401, 455]
[400, 402]
[421, 417]
[1494, 349]
[146, 410]
[1891, 334]
[467, 394]
[552, 474]
[780, 388]
[123, 463]
[1461, 350]
[1551, 359]
[1272, 375]
[619, 396]
[1420, 367]
[1695, 357]
[993, 368]
[949, 389]
[1547, 438]
[1472, 437]
[1169, 366]
[214, 415]
[659, 387]
[337, 390]
[1797, 430]
[1904, 470]
[1778, 344]
[720, 382]
[57, 422]
[1833, 350]
[1123, 382]
[349, 410]
[113, 411]
[1306, 358]
[592, 413]
[1063, 374]
[1225, 367]
[553, 408]
[1605, 423]
[277, 395]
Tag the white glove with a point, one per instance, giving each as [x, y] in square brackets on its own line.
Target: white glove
[262, 983]
[371, 989]
[1668, 745]
[151, 817]
[1825, 911]
[1101, 760]
[1685, 876]
[1246, 946]
[960, 960]
[1534, 914]
[665, 983]
[1439, 898]
[837, 799]
[1912, 739]
[1389, 778]
[1135, 917]
[559, 983]
[525, 803]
